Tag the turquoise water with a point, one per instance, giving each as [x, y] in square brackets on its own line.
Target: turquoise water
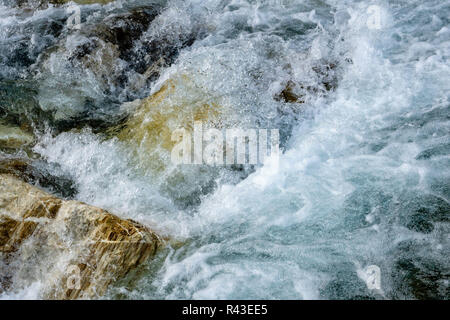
[364, 174]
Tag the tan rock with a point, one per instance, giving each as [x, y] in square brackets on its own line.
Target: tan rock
[16, 167]
[177, 104]
[14, 137]
[74, 249]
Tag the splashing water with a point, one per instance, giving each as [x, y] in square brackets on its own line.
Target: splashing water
[364, 176]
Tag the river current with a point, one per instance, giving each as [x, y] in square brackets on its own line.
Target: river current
[364, 170]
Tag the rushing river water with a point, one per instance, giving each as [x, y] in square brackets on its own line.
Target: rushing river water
[364, 175]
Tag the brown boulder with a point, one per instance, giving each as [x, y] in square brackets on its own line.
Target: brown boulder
[73, 249]
[12, 137]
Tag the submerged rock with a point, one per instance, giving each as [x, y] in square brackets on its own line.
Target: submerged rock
[14, 137]
[18, 106]
[82, 1]
[326, 79]
[90, 73]
[288, 94]
[39, 173]
[345, 285]
[25, 35]
[74, 250]
[45, 3]
[420, 271]
[177, 104]
[122, 30]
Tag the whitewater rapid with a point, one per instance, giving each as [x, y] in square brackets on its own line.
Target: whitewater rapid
[363, 178]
